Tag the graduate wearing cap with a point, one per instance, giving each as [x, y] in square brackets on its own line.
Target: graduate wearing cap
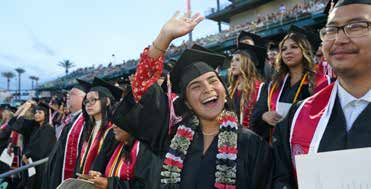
[208, 149]
[245, 81]
[295, 80]
[130, 164]
[338, 117]
[269, 65]
[39, 138]
[98, 108]
[249, 38]
[62, 159]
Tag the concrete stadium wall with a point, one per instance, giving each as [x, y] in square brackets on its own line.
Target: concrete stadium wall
[262, 10]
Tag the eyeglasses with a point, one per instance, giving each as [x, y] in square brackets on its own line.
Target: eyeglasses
[351, 30]
[90, 101]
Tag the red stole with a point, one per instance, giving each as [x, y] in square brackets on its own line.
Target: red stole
[91, 149]
[3, 127]
[306, 121]
[274, 92]
[246, 111]
[71, 147]
[118, 166]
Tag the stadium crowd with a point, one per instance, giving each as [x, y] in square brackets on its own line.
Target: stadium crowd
[177, 124]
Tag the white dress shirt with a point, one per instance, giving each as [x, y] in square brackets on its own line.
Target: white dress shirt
[351, 105]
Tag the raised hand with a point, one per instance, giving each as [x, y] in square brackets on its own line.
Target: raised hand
[179, 26]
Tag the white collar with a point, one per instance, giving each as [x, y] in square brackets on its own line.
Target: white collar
[346, 98]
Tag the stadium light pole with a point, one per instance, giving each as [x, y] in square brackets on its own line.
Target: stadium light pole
[218, 9]
[189, 10]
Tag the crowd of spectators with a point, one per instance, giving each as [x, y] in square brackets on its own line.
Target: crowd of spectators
[280, 16]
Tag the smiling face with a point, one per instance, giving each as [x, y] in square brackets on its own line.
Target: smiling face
[349, 57]
[205, 96]
[292, 54]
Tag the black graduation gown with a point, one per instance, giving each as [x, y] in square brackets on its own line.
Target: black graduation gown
[144, 170]
[108, 147]
[335, 137]
[258, 125]
[41, 142]
[56, 158]
[254, 159]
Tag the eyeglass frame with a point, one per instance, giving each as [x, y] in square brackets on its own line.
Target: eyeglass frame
[344, 30]
[90, 101]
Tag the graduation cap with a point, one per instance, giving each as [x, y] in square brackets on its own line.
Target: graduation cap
[313, 38]
[257, 54]
[82, 85]
[191, 64]
[272, 46]
[258, 41]
[106, 88]
[10, 108]
[43, 107]
[124, 80]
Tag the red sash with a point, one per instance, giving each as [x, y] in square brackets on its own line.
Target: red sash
[247, 110]
[89, 152]
[71, 148]
[119, 166]
[321, 81]
[306, 120]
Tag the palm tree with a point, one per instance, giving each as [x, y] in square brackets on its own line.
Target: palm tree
[20, 71]
[37, 80]
[8, 76]
[33, 78]
[66, 64]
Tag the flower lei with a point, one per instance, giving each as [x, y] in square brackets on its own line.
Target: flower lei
[225, 175]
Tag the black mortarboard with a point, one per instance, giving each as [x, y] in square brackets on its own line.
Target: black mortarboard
[313, 38]
[10, 108]
[257, 54]
[43, 107]
[191, 64]
[258, 41]
[124, 80]
[106, 88]
[82, 85]
[201, 48]
[272, 46]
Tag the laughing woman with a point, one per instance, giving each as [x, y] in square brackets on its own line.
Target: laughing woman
[208, 149]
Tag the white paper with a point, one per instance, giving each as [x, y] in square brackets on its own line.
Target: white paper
[76, 184]
[346, 169]
[283, 108]
[6, 158]
[31, 170]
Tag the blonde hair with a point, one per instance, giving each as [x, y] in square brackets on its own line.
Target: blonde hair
[308, 61]
[248, 74]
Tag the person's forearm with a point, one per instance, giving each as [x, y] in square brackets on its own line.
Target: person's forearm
[159, 45]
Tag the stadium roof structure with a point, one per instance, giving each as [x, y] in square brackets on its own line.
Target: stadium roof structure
[237, 6]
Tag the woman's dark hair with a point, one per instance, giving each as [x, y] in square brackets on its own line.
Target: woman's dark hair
[90, 121]
[46, 113]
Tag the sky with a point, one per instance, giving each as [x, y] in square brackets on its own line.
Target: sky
[37, 34]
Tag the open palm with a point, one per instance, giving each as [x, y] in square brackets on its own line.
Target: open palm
[179, 26]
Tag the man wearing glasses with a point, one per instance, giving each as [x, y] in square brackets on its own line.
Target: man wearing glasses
[339, 116]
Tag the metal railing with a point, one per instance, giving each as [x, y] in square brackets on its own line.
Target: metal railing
[34, 164]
